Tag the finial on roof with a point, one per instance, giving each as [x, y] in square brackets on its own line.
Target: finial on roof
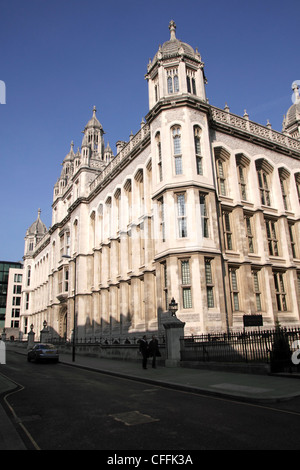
[39, 213]
[296, 97]
[172, 28]
[94, 111]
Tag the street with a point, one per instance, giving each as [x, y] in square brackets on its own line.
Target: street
[68, 408]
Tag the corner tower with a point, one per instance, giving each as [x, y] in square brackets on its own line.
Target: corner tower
[291, 122]
[176, 69]
[92, 147]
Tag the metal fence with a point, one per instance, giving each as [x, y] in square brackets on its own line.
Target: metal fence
[250, 346]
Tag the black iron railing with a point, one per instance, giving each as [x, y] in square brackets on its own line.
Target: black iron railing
[251, 346]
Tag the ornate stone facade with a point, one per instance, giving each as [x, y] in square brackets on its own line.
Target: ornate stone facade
[200, 205]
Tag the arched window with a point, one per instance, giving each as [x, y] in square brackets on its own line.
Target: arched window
[176, 84]
[197, 143]
[222, 159]
[242, 164]
[28, 275]
[176, 135]
[172, 81]
[170, 85]
[191, 82]
[284, 178]
[158, 151]
[264, 170]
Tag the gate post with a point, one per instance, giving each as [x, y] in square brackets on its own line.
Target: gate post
[174, 330]
[31, 336]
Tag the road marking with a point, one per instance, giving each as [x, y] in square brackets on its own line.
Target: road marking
[133, 418]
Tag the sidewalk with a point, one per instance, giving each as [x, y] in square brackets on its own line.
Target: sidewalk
[247, 387]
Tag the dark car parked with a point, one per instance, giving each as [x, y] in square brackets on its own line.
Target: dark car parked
[43, 352]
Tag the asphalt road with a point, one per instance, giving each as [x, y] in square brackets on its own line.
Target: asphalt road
[66, 408]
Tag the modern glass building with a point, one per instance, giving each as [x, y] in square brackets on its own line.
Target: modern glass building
[4, 270]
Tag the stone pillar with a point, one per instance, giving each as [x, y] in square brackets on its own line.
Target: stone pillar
[31, 336]
[174, 330]
[44, 335]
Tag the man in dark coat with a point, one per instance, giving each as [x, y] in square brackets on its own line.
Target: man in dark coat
[144, 350]
[154, 351]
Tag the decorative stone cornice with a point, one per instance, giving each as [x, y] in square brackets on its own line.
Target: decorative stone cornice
[253, 132]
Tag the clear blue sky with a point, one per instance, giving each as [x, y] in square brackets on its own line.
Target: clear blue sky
[59, 58]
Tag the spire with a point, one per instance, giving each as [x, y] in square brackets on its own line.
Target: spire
[172, 28]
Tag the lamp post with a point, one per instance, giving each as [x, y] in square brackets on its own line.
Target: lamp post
[173, 307]
[74, 312]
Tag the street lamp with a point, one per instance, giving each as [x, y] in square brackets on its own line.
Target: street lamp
[74, 313]
[173, 307]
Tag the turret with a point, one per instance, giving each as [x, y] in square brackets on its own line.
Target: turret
[176, 69]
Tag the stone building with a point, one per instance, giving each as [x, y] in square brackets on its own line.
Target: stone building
[200, 204]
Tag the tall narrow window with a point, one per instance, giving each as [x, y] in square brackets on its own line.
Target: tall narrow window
[280, 291]
[284, 178]
[292, 239]
[191, 82]
[176, 84]
[188, 84]
[227, 231]
[249, 233]
[159, 160]
[181, 216]
[28, 275]
[117, 209]
[297, 182]
[66, 284]
[162, 219]
[176, 135]
[197, 143]
[263, 184]
[170, 85]
[186, 284]
[234, 289]
[204, 215]
[257, 291]
[27, 301]
[209, 283]
[165, 284]
[172, 81]
[221, 177]
[194, 86]
[65, 244]
[242, 182]
[272, 237]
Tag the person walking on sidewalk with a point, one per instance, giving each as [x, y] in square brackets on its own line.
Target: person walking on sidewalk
[144, 350]
[154, 351]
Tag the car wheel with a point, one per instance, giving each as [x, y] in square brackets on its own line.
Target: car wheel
[28, 359]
